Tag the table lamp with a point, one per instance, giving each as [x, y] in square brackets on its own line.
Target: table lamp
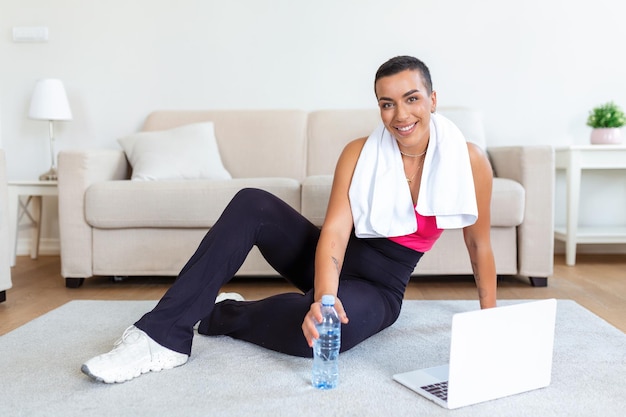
[49, 102]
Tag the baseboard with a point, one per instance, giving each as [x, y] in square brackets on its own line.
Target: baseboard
[592, 249]
[47, 246]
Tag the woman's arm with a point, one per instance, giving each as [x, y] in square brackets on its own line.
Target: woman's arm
[331, 247]
[477, 236]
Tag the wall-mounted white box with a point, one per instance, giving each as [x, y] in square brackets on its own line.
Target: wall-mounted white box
[30, 34]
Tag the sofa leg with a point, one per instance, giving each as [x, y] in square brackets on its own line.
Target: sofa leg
[74, 282]
[539, 281]
[3, 296]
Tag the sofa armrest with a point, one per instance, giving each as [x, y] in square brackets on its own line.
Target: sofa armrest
[5, 240]
[533, 168]
[77, 170]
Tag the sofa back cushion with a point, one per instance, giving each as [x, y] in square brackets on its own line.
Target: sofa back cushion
[330, 130]
[252, 143]
[469, 121]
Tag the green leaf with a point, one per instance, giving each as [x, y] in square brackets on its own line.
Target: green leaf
[606, 115]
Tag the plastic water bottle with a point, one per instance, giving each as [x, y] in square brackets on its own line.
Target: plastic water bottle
[325, 373]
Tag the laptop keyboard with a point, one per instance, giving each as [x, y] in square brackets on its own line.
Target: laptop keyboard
[439, 390]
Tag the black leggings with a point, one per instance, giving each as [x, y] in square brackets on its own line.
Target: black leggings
[373, 278]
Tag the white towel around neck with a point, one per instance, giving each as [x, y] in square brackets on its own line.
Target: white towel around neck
[380, 198]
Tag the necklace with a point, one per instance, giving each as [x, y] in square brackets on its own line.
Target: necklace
[410, 155]
[410, 180]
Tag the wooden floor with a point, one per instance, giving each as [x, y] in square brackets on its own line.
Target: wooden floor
[597, 282]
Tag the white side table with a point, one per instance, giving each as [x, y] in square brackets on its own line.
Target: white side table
[574, 160]
[34, 190]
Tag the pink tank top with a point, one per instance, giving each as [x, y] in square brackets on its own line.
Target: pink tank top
[423, 239]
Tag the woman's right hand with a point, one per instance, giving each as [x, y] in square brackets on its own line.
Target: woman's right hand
[314, 316]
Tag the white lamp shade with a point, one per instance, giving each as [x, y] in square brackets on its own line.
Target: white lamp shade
[49, 101]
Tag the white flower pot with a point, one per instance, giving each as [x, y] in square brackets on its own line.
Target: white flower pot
[606, 136]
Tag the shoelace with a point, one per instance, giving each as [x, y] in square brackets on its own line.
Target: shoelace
[130, 330]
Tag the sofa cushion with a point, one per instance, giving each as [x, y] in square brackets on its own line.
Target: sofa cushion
[329, 131]
[166, 204]
[507, 202]
[469, 121]
[253, 143]
[185, 152]
[315, 196]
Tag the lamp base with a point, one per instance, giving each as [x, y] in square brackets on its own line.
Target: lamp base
[51, 175]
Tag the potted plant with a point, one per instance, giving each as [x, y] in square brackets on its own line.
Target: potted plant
[606, 122]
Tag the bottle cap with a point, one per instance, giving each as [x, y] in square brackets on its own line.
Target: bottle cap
[328, 300]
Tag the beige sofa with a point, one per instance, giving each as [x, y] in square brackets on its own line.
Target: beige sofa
[5, 241]
[113, 226]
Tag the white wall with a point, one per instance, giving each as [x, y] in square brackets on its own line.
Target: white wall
[534, 67]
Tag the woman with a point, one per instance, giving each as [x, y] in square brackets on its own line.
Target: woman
[392, 195]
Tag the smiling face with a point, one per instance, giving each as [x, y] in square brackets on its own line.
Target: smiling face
[405, 106]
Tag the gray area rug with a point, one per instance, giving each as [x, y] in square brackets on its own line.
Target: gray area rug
[40, 364]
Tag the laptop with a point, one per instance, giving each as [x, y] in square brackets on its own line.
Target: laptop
[493, 353]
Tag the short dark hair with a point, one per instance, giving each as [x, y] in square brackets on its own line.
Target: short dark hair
[403, 63]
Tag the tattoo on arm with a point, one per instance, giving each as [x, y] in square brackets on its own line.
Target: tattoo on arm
[336, 262]
[481, 291]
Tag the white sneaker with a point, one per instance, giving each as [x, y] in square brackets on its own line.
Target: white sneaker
[134, 354]
[229, 296]
[224, 296]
